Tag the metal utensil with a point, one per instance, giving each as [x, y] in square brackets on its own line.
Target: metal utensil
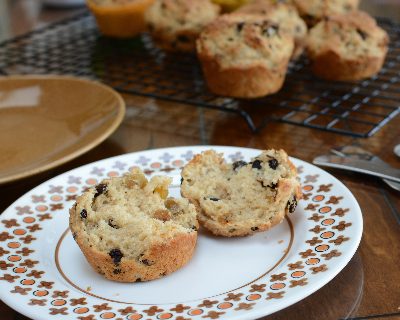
[356, 165]
[356, 159]
[352, 151]
[396, 150]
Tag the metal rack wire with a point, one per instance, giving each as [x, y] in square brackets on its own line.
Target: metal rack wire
[135, 66]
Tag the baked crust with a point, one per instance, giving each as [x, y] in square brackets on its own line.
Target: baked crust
[330, 66]
[168, 257]
[246, 82]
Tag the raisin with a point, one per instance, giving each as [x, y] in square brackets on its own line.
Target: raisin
[116, 255]
[362, 34]
[292, 205]
[112, 224]
[181, 181]
[183, 38]
[117, 271]
[256, 164]
[238, 164]
[213, 199]
[138, 280]
[147, 262]
[194, 228]
[273, 164]
[273, 186]
[100, 189]
[254, 228]
[239, 26]
[262, 184]
[74, 235]
[84, 214]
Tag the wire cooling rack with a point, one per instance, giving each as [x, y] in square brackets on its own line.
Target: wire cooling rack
[75, 47]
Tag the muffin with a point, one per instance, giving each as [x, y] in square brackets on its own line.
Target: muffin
[244, 55]
[347, 47]
[119, 18]
[130, 231]
[240, 198]
[283, 14]
[313, 11]
[176, 24]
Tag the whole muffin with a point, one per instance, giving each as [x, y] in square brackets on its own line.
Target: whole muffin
[313, 11]
[130, 231]
[176, 24]
[285, 15]
[347, 47]
[119, 18]
[244, 55]
[240, 198]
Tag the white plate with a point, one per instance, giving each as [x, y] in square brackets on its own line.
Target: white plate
[44, 275]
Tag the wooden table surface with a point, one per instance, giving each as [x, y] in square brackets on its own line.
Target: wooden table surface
[368, 288]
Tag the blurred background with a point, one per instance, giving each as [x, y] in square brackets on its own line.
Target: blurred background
[36, 13]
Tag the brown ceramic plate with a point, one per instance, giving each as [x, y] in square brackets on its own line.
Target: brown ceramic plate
[46, 121]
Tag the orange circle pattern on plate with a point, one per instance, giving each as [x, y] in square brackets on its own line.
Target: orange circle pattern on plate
[225, 305]
[19, 270]
[27, 282]
[322, 248]
[195, 312]
[13, 245]
[81, 310]
[40, 293]
[328, 222]
[29, 220]
[325, 209]
[164, 316]
[327, 235]
[318, 198]
[308, 188]
[312, 261]
[107, 315]
[91, 182]
[56, 197]
[72, 189]
[298, 274]
[112, 174]
[277, 286]
[155, 165]
[135, 316]
[14, 258]
[41, 208]
[19, 232]
[58, 302]
[252, 297]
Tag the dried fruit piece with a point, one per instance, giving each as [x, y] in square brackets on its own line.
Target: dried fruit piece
[116, 255]
[83, 214]
[256, 164]
[292, 204]
[273, 164]
[238, 164]
[100, 189]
